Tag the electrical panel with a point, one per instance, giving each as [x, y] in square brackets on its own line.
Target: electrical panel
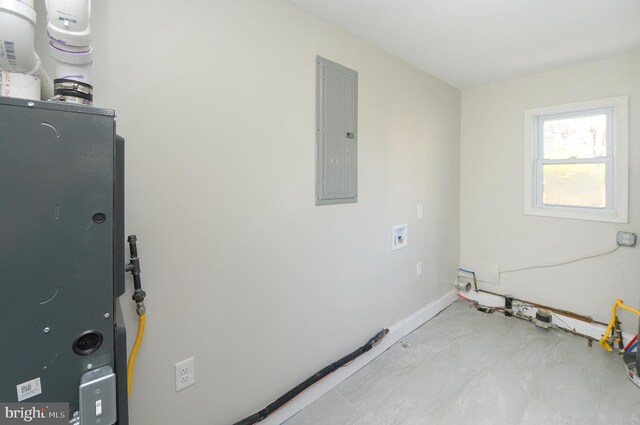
[336, 133]
[62, 259]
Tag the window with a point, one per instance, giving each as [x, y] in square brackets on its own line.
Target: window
[576, 160]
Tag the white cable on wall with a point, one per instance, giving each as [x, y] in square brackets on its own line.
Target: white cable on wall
[540, 266]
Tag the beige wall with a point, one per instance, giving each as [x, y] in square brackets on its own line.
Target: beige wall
[216, 101]
[494, 228]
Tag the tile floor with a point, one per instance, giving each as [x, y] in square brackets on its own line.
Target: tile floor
[466, 367]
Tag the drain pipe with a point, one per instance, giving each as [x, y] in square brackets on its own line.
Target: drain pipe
[70, 47]
[19, 62]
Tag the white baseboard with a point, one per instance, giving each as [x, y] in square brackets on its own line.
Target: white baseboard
[396, 332]
[593, 330]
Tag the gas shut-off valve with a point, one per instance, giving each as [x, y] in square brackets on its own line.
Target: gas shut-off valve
[134, 268]
[138, 296]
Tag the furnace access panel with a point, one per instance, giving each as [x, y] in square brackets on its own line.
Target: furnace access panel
[62, 259]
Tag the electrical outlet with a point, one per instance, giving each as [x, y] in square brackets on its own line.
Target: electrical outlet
[419, 210]
[419, 269]
[626, 239]
[185, 374]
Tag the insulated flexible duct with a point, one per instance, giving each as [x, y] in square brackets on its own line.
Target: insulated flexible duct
[291, 394]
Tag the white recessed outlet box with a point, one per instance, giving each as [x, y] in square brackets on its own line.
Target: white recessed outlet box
[419, 269]
[185, 374]
[399, 237]
[419, 210]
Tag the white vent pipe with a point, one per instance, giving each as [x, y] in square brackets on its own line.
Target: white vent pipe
[17, 49]
[70, 38]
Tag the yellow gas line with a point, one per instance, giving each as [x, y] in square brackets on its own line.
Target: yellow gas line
[134, 351]
[619, 303]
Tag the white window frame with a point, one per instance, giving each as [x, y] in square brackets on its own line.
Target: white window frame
[617, 160]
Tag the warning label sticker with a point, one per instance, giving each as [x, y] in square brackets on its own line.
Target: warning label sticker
[29, 389]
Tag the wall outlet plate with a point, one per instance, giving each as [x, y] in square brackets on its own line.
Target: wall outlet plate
[626, 239]
[185, 374]
[399, 234]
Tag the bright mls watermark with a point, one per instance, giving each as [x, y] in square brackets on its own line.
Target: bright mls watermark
[34, 413]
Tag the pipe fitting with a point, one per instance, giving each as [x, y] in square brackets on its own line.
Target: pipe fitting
[68, 21]
[72, 65]
[17, 35]
[17, 49]
[70, 45]
[66, 90]
[462, 285]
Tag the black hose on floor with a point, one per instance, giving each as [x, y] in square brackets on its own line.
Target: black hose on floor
[290, 395]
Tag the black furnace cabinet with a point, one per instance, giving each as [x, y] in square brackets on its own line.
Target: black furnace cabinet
[62, 259]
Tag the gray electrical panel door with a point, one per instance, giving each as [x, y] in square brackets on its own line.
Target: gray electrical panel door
[336, 133]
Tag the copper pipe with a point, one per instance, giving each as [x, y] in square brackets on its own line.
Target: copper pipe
[587, 319]
[489, 310]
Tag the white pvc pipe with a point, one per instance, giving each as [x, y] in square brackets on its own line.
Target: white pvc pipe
[17, 34]
[46, 83]
[70, 65]
[15, 84]
[70, 38]
[17, 48]
[68, 21]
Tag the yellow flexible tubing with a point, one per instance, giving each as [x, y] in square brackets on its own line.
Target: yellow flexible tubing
[619, 303]
[134, 352]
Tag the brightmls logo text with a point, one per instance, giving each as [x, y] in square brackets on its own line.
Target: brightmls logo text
[26, 415]
[34, 413]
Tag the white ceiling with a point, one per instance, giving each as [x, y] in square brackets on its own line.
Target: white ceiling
[469, 43]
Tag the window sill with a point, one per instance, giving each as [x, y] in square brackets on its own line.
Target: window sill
[578, 214]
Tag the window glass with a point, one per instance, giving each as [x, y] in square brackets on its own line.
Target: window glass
[575, 137]
[576, 185]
